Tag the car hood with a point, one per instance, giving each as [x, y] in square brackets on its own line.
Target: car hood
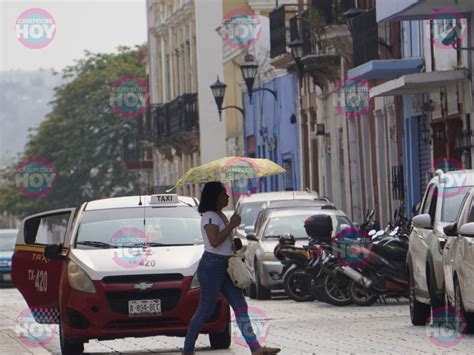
[99, 263]
[6, 254]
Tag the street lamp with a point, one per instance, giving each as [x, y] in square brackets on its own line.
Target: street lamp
[218, 91]
[249, 69]
[296, 48]
[350, 14]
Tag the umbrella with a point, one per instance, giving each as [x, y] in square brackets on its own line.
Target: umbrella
[230, 169]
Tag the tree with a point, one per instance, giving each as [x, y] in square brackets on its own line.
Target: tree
[82, 137]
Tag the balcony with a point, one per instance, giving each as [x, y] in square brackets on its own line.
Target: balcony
[135, 154]
[176, 123]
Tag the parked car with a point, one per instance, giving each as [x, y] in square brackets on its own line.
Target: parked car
[259, 252]
[249, 206]
[7, 244]
[440, 206]
[116, 268]
[458, 261]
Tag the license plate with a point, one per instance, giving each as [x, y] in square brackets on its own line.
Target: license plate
[144, 308]
[7, 277]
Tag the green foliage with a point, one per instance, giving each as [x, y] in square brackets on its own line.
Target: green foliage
[81, 137]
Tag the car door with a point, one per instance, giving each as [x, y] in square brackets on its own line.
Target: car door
[418, 242]
[34, 275]
[465, 262]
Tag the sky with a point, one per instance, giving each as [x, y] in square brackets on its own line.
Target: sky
[72, 26]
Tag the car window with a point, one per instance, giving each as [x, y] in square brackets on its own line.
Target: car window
[249, 212]
[7, 241]
[471, 215]
[294, 224]
[46, 230]
[120, 227]
[452, 200]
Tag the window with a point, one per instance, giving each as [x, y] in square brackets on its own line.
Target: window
[288, 166]
[47, 230]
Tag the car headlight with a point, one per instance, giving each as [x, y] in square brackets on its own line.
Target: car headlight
[78, 279]
[268, 256]
[194, 282]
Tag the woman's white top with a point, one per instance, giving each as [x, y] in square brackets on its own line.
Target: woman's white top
[225, 248]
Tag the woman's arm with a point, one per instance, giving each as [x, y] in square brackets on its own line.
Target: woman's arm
[215, 237]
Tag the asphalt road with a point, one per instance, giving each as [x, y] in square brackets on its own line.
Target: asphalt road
[297, 328]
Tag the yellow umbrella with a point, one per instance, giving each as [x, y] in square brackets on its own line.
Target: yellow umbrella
[230, 169]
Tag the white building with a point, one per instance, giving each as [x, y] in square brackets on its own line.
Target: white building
[185, 57]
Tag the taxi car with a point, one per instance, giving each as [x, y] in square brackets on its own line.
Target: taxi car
[115, 268]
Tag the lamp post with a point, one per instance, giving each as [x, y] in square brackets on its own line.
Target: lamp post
[249, 68]
[218, 91]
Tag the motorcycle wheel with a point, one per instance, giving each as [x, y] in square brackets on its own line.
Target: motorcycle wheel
[334, 292]
[360, 295]
[296, 285]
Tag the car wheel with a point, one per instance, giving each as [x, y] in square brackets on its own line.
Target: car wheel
[220, 340]
[252, 291]
[419, 312]
[68, 346]
[466, 325]
[262, 293]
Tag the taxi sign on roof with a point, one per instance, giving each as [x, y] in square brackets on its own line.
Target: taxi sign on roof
[163, 199]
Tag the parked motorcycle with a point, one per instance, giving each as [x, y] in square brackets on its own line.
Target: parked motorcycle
[294, 260]
[382, 271]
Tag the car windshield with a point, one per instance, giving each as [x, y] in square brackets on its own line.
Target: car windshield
[249, 213]
[7, 241]
[139, 226]
[452, 199]
[294, 224]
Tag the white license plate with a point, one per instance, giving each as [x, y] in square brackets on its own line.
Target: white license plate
[144, 308]
[7, 277]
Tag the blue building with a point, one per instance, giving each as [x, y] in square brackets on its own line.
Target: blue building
[271, 131]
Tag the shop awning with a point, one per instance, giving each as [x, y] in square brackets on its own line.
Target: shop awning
[407, 10]
[419, 83]
[386, 69]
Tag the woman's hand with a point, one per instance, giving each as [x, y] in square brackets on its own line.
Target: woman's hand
[235, 220]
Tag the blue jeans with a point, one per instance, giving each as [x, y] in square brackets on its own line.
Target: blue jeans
[213, 279]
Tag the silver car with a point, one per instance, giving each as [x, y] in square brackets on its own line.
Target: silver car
[259, 252]
[458, 262]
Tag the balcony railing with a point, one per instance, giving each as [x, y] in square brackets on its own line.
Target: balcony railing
[177, 116]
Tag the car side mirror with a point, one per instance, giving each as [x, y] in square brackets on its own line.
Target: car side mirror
[467, 230]
[422, 221]
[252, 237]
[54, 251]
[249, 229]
[451, 230]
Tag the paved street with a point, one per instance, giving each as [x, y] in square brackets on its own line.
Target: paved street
[298, 328]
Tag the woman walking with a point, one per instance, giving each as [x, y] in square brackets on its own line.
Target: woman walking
[212, 270]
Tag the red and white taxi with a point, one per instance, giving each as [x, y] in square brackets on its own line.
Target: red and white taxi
[114, 268]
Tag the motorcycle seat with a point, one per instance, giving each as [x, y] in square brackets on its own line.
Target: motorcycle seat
[390, 252]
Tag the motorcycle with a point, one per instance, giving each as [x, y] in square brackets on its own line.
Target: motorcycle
[294, 260]
[382, 271]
